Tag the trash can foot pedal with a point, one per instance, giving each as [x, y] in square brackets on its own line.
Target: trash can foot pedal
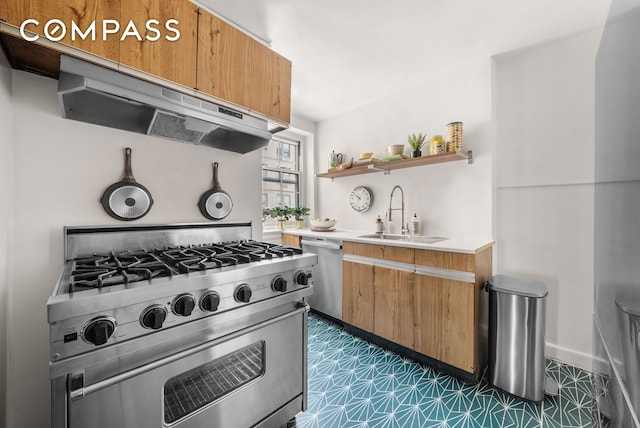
[551, 387]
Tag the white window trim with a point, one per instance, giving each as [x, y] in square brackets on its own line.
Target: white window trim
[306, 168]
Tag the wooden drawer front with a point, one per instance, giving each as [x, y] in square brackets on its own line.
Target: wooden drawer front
[382, 252]
[291, 240]
[445, 319]
[446, 260]
[366, 250]
[357, 295]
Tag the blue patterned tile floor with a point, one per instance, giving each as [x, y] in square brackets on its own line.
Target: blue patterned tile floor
[353, 383]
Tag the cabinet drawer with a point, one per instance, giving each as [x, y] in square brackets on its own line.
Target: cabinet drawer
[446, 260]
[291, 240]
[382, 252]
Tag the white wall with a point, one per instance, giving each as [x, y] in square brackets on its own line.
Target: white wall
[529, 120]
[61, 168]
[452, 199]
[545, 175]
[6, 162]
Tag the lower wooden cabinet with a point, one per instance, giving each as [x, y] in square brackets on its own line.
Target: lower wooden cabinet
[445, 314]
[393, 300]
[358, 294]
[431, 302]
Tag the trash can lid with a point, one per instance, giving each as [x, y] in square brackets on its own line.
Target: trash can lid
[629, 303]
[519, 286]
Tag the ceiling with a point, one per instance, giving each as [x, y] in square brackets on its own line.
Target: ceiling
[348, 53]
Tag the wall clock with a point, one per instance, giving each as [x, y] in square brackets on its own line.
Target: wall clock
[361, 198]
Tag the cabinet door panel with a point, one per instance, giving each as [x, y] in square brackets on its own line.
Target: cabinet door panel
[394, 305]
[82, 12]
[445, 320]
[171, 60]
[357, 295]
[270, 83]
[224, 60]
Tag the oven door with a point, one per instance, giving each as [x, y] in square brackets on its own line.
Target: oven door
[254, 377]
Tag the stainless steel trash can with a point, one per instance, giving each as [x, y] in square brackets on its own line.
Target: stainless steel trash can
[517, 310]
[628, 304]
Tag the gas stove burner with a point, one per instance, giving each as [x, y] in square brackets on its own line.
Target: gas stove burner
[103, 270]
[99, 271]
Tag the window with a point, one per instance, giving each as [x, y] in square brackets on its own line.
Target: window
[280, 176]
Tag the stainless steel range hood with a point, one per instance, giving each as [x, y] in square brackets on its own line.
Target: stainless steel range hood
[94, 94]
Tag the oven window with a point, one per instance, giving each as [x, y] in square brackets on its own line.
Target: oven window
[196, 388]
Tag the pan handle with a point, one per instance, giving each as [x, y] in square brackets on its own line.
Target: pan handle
[128, 172]
[216, 183]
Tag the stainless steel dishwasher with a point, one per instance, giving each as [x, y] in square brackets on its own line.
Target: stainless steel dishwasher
[327, 275]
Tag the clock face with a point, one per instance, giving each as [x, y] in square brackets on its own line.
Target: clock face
[361, 198]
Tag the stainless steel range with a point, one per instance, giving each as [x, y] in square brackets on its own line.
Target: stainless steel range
[192, 325]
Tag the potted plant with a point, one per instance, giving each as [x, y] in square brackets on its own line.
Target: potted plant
[281, 214]
[416, 142]
[266, 212]
[299, 213]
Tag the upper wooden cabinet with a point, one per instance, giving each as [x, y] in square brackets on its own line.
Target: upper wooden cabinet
[237, 68]
[209, 55]
[171, 60]
[224, 60]
[82, 12]
[270, 83]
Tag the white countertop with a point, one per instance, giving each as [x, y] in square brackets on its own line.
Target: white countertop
[456, 245]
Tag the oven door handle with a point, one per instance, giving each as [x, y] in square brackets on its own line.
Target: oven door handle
[77, 389]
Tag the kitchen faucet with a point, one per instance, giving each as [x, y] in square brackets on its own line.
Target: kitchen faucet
[404, 230]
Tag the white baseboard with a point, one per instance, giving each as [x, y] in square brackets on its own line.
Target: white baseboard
[570, 356]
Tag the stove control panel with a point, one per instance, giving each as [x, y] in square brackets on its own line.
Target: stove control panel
[165, 310]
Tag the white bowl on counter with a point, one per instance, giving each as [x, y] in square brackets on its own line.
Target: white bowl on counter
[324, 224]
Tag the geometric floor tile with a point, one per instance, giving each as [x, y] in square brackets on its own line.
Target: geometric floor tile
[353, 383]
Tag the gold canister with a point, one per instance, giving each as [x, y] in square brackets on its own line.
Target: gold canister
[454, 140]
[436, 145]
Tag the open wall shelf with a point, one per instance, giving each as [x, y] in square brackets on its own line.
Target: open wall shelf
[387, 167]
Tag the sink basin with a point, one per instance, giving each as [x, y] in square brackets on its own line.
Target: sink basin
[427, 239]
[419, 239]
[387, 236]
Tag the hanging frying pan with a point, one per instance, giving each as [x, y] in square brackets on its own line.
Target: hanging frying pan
[127, 199]
[215, 204]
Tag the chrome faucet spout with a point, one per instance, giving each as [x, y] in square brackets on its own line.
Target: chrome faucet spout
[404, 230]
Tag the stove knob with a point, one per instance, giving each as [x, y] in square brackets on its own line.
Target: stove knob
[153, 317]
[209, 301]
[279, 284]
[99, 330]
[243, 293]
[301, 278]
[183, 305]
